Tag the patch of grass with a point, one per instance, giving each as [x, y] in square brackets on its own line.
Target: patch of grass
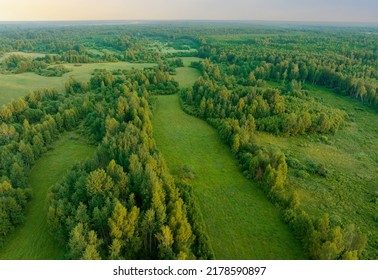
[14, 86]
[241, 222]
[32, 240]
[188, 60]
[340, 170]
[186, 76]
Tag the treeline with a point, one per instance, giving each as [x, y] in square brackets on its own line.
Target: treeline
[153, 80]
[27, 128]
[17, 64]
[237, 111]
[217, 95]
[80, 44]
[123, 204]
[301, 58]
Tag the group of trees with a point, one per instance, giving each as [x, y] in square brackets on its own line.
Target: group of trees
[28, 126]
[350, 69]
[123, 204]
[218, 96]
[238, 106]
[17, 64]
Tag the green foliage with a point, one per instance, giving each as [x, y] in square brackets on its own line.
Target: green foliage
[33, 239]
[125, 197]
[253, 80]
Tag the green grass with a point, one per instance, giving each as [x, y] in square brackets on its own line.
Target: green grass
[188, 60]
[14, 86]
[350, 191]
[186, 76]
[32, 240]
[241, 222]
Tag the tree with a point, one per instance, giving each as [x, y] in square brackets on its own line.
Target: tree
[165, 242]
[99, 182]
[77, 243]
[148, 227]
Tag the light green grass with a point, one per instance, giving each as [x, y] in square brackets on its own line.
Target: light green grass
[14, 86]
[32, 240]
[186, 76]
[188, 60]
[241, 222]
[349, 192]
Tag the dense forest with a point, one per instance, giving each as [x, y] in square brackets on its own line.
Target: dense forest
[124, 202]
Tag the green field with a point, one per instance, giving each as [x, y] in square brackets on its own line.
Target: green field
[188, 60]
[241, 222]
[186, 76]
[13, 86]
[32, 240]
[351, 158]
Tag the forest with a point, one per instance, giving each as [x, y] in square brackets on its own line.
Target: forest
[294, 109]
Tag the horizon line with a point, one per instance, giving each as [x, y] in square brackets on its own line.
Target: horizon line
[191, 20]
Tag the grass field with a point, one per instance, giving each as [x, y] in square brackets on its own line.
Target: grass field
[186, 76]
[349, 193]
[188, 60]
[241, 222]
[32, 240]
[13, 86]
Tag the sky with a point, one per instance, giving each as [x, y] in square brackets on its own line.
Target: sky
[277, 10]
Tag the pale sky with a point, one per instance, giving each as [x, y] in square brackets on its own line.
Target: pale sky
[291, 10]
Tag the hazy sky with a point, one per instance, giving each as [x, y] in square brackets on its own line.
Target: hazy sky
[293, 10]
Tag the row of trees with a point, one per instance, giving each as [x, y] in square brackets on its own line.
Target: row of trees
[17, 64]
[123, 204]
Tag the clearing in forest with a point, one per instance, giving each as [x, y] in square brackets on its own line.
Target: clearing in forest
[241, 222]
[32, 240]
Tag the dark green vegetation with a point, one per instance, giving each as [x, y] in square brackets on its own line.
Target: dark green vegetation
[33, 240]
[295, 104]
[236, 212]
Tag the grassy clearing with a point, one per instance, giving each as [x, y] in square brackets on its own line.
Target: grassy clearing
[32, 240]
[349, 193]
[14, 86]
[241, 222]
[188, 60]
[186, 76]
